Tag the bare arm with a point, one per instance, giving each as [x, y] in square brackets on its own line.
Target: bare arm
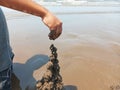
[28, 6]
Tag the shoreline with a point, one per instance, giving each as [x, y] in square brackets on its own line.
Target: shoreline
[81, 3]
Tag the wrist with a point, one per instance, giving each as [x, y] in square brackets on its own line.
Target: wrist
[44, 13]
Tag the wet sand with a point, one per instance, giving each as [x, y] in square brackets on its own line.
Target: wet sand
[88, 49]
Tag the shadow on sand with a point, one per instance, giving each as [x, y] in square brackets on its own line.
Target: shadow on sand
[24, 72]
[70, 87]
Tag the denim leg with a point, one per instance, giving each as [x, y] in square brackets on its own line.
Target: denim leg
[5, 79]
[6, 53]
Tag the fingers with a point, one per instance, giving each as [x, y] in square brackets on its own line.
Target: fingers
[56, 32]
[59, 30]
[52, 35]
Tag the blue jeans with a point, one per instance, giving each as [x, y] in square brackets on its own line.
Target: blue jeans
[6, 55]
[5, 79]
[5, 49]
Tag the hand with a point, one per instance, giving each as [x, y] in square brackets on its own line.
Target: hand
[54, 24]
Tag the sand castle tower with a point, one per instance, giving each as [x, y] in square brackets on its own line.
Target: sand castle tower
[51, 79]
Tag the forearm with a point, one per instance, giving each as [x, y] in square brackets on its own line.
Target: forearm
[27, 6]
